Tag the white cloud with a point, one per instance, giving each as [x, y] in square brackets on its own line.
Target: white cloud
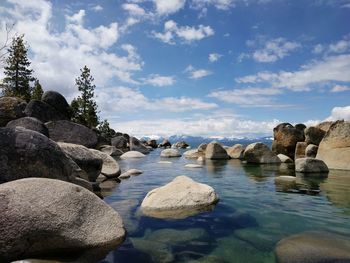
[159, 81]
[250, 97]
[340, 46]
[134, 9]
[197, 73]
[57, 56]
[185, 33]
[318, 49]
[274, 50]
[219, 4]
[333, 68]
[340, 88]
[214, 57]
[340, 113]
[166, 7]
[97, 8]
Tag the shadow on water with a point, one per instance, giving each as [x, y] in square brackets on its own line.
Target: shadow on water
[169, 240]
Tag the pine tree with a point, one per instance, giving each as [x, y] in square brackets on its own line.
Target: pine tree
[17, 73]
[37, 91]
[105, 129]
[84, 107]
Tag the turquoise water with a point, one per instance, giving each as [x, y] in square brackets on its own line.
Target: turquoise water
[253, 214]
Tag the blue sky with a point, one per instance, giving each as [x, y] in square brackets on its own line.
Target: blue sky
[200, 67]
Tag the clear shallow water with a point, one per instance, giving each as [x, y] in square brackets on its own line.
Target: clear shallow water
[250, 218]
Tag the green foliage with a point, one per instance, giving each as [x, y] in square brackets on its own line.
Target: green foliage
[37, 91]
[106, 130]
[84, 107]
[17, 73]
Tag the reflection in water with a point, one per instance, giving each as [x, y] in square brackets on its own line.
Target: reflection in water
[214, 167]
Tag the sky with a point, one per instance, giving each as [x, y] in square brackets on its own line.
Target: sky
[214, 68]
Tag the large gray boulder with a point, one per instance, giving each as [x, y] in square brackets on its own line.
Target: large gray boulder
[314, 135]
[215, 151]
[136, 145]
[169, 153]
[310, 165]
[334, 149]
[110, 167]
[260, 153]
[43, 112]
[236, 151]
[311, 151]
[194, 153]
[57, 101]
[86, 159]
[286, 137]
[11, 108]
[41, 216]
[29, 123]
[67, 131]
[313, 247]
[111, 150]
[25, 153]
[300, 150]
[284, 158]
[120, 142]
[178, 199]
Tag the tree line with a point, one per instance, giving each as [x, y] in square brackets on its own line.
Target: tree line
[20, 82]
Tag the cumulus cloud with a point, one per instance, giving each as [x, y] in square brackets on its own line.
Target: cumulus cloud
[340, 113]
[214, 57]
[166, 7]
[97, 8]
[197, 73]
[134, 9]
[340, 88]
[57, 56]
[338, 47]
[328, 69]
[186, 34]
[159, 81]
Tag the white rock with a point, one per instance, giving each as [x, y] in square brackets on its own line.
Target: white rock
[191, 165]
[169, 153]
[132, 154]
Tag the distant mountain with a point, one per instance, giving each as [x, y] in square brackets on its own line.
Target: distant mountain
[194, 141]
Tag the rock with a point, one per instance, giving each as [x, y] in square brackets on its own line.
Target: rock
[124, 176]
[193, 154]
[314, 135]
[236, 151]
[169, 153]
[11, 108]
[39, 216]
[310, 165]
[259, 153]
[215, 151]
[202, 147]
[311, 151]
[285, 179]
[201, 159]
[300, 126]
[111, 150]
[324, 125]
[180, 145]
[178, 199]
[70, 132]
[334, 149]
[25, 153]
[57, 101]
[134, 172]
[110, 167]
[136, 145]
[286, 137]
[165, 162]
[30, 124]
[87, 160]
[313, 247]
[43, 112]
[120, 142]
[300, 150]
[192, 165]
[132, 154]
[165, 144]
[152, 143]
[284, 158]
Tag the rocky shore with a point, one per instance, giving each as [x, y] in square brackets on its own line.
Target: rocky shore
[54, 174]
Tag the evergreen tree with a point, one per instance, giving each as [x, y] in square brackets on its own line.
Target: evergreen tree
[17, 73]
[37, 91]
[106, 130]
[84, 107]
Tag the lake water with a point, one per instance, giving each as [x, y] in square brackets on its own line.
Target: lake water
[253, 213]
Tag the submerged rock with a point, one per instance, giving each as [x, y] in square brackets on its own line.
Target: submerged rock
[70, 132]
[30, 124]
[11, 108]
[334, 149]
[311, 165]
[45, 216]
[179, 198]
[260, 153]
[132, 154]
[169, 153]
[215, 151]
[192, 165]
[313, 247]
